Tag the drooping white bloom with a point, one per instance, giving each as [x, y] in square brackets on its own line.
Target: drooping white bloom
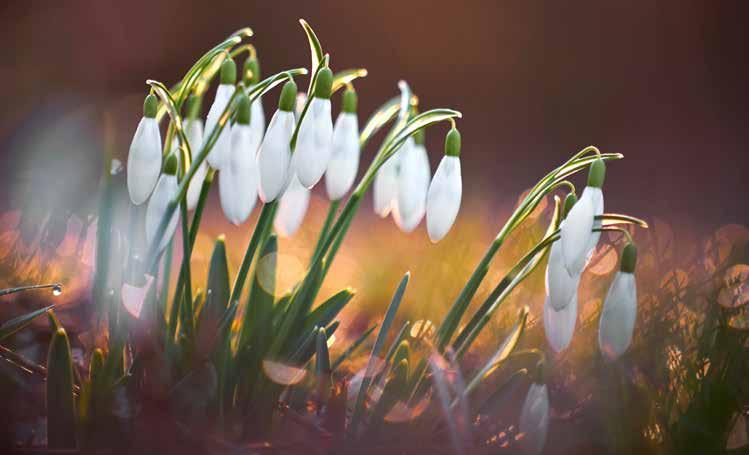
[443, 199]
[166, 190]
[413, 186]
[257, 120]
[559, 325]
[238, 180]
[314, 143]
[220, 151]
[534, 419]
[144, 158]
[618, 316]
[577, 236]
[344, 160]
[386, 185]
[291, 208]
[560, 285]
[274, 155]
[194, 133]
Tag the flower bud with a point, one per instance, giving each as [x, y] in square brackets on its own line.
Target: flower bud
[150, 106]
[144, 156]
[350, 101]
[228, 72]
[597, 173]
[170, 164]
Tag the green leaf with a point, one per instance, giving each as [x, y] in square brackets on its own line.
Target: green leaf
[328, 310]
[379, 119]
[353, 347]
[10, 327]
[61, 420]
[341, 78]
[315, 48]
[9, 291]
[393, 392]
[217, 287]
[322, 357]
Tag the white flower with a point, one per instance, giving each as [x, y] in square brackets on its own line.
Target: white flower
[257, 119]
[314, 143]
[386, 185]
[344, 160]
[577, 236]
[560, 285]
[274, 155]
[238, 180]
[220, 151]
[618, 316]
[559, 325]
[413, 186]
[144, 158]
[194, 133]
[166, 190]
[534, 419]
[443, 199]
[291, 208]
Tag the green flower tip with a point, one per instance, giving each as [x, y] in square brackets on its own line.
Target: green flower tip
[221, 238]
[228, 72]
[419, 137]
[452, 143]
[150, 106]
[350, 101]
[597, 174]
[629, 258]
[287, 101]
[251, 71]
[324, 84]
[243, 109]
[193, 106]
[569, 202]
[170, 164]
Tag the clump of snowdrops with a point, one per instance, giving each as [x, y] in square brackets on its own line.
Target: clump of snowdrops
[230, 370]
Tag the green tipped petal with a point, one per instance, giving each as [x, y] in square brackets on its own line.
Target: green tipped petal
[629, 258]
[597, 173]
[569, 202]
[452, 143]
[228, 72]
[324, 84]
[243, 109]
[287, 100]
[251, 71]
[150, 106]
[350, 101]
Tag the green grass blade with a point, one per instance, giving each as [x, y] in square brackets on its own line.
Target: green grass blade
[315, 48]
[9, 291]
[10, 327]
[328, 310]
[353, 347]
[61, 419]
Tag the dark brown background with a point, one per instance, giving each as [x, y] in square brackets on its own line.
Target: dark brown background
[665, 82]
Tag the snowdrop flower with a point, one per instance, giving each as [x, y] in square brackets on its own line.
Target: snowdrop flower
[413, 184]
[560, 284]
[619, 308]
[252, 77]
[534, 418]
[344, 160]
[144, 158]
[445, 191]
[291, 208]
[238, 180]
[274, 156]
[166, 190]
[577, 239]
[314, 141]
[220, 151]
[559, 325]
[194, 133]
[386, 185]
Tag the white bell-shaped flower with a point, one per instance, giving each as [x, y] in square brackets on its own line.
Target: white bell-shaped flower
[385, 190]
[619, 308]
[274, 155]
[445, 191]
[194, 134]
[577, 232]
[413, 185]
[560, 285]
[291, 208]
[534, 419]
[144, 158]
[220, 151]
[559, 325]
[315, 138]
[238, 180]
[166, 190]
[251, 76]
[344, 160]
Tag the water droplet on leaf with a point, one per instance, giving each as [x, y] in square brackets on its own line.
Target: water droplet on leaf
[56, 290]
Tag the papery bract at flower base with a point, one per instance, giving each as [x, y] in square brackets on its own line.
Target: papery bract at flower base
[314, 141]
[445, 191]
[220, 151]
[274, 155]
[292, 208]
[166, 189]
[144, 158]
[534, 419]
[344, 159]
[619, 309]
[559, 325]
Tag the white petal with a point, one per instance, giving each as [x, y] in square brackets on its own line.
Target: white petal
[314, 143]
[220, 151]
[274, 156]
[597, 196]
[257, 118]
[413, 186]
[534, 419]
[443, 199]
[166, 189]
[386, 186]
[560, 285]
[134, 297]
[194, 133]
[559, 325]
[144, 160]
[618, 316]
[238, 181]
[576, 231]
[291, 208]
[344, 160]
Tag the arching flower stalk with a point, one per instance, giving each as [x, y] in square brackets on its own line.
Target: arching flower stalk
[619, 308]
[445, 191]
[220, 151]
[144, 158]
[166, 189]
[560, 284]
[344, 159]
[251, 76]
[413, 183]
[194, 133]
[274, 155]
[534, 415]
[577, 237]
[314, 141]
[238, 180]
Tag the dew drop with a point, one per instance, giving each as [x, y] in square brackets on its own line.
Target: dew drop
[56, 290]
[115, 167]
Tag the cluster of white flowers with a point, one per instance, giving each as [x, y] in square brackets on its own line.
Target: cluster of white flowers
[580, 232]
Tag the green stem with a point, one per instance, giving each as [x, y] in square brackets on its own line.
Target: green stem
[332, 210]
